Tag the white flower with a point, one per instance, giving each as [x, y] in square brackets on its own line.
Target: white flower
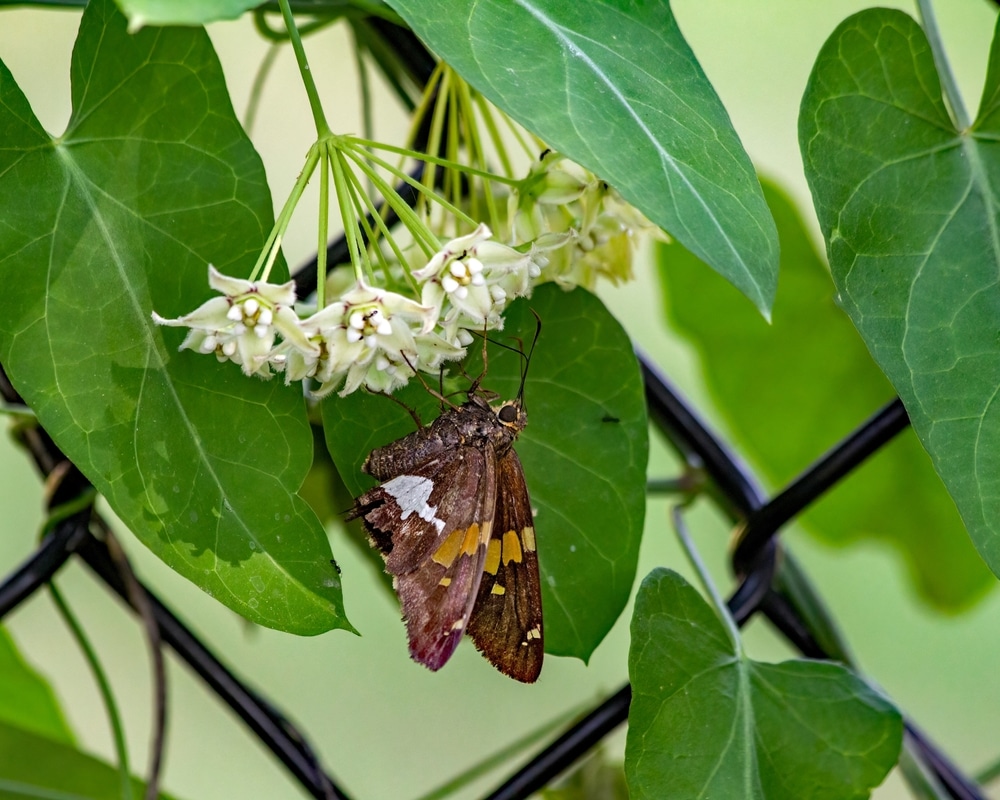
[382, 320]
[241, 326]
[454, 274]
[542, 201]
[561, 197]
[470, 280]
[365, 338]
[433, 350]
[325, 334]
[386, 373]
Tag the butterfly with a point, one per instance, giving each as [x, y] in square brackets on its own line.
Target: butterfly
[452, 519]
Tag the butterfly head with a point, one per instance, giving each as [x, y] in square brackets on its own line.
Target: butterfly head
[512, 415]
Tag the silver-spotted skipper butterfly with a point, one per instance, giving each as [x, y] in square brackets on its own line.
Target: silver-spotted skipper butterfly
[452, 520]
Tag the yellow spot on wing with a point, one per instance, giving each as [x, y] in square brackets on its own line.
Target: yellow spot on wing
[445, 555]
[497, 589]
[471, 543]
[511, 548]
[465, 542]
[528, 537]
[445, 582]
[492, 557]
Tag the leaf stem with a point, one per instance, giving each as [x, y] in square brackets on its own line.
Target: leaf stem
[103, 685]
[18, 413]
[382, 230]
[322, 128]
[948, 82]
[989, 773]
[66, 510]
[922, 783]
[676, 515]
[257, 89]
[422, 235]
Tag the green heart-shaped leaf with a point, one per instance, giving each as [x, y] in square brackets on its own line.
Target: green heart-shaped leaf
[616, 88]
[810, 365]
[908, 205]
[584, 454]
[32, 766]
[26, 699]
[153, 180]
[182, 12]
[706, 721]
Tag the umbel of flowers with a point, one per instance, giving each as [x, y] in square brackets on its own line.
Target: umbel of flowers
[415, 306]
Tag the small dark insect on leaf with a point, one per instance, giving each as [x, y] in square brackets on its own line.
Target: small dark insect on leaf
[335, 565]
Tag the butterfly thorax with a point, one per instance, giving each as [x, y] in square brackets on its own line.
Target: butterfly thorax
[474, 424]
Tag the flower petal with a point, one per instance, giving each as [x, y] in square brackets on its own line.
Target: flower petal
[228, 285]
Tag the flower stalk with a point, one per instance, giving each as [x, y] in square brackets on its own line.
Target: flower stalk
[319, 118]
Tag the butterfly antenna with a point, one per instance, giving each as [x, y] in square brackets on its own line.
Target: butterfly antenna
[474, 387]
[527, 359]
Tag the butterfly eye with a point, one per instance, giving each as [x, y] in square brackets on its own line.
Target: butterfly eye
[507, 414]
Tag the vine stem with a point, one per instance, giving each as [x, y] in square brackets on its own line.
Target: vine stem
[948, 82]
[103, 685]
[322, 128]
[676, 515]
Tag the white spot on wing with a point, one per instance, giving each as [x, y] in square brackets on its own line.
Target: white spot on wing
[411, 493]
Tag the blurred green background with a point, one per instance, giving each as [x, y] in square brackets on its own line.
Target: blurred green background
[385, 727]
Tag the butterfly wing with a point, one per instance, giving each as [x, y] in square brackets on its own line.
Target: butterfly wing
[506, 623]
[432, 526]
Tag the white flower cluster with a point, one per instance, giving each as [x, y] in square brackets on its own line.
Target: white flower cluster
[573, 228]
[559, 203]
[369, 336]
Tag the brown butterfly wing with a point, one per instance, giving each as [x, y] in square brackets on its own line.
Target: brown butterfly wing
[432, 526]
[506, 623]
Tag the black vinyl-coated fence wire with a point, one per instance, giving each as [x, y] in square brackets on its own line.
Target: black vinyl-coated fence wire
[73, 536]
[260, 716]
[841, 460]
[45, 562]
[732, 485]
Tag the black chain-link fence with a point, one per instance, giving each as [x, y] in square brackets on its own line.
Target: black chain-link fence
[757, 561]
